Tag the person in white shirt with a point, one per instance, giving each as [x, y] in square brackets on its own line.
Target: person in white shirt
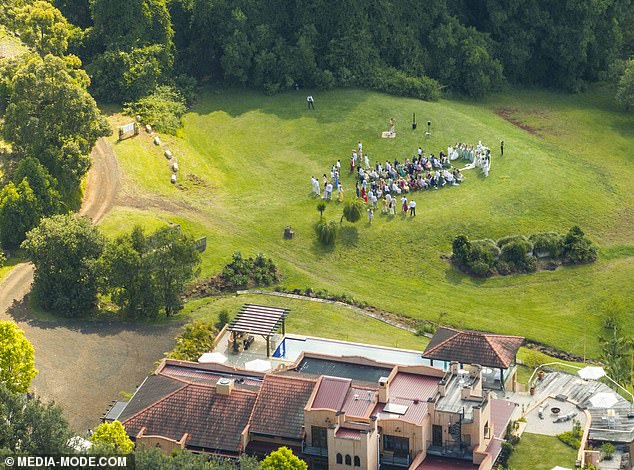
[328, 192]
[412, 208]
[367, 162]
[311, 102]
[360, 147]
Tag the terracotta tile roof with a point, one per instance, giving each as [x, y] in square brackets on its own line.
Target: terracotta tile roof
[472, 347]
[346, 433]
[153, 388]
[413, 386]
[331, 393]
[359, 402]
[279, 408]
[501, 412]
[213, 421]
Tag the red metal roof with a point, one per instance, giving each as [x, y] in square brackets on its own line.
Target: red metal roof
[473, 347]
[432, 462]
[279, 409]
[359, 402]
[346, 433]
[331, 393]
[413, 386]
[501, 412]
[415, 413]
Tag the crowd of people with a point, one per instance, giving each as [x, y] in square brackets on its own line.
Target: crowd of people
[388, 185]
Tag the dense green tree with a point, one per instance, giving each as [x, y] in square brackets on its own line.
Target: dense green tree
[144, 273]
[154, 459]
[44, 186]
[121, 25]
[578, 248]
[17, 362]
[163, 109]
[625, 88]
[283, 459]
[352, 211]
[31, 427]
[44, 28]
[51, 115]
[127, 276]
[111, 439]
[174, 261]
[326, 231]
[75, 11]
[20, 211]
[617, 353]
[64, 250]
[196, 339]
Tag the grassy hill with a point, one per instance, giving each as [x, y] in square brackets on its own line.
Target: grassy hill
[245, 165]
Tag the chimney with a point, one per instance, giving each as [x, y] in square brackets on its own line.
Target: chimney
[454, 367]
[224, 386]
[384, 389]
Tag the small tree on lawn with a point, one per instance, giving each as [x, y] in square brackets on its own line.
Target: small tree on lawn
[283, 459]
[326, 232]
[17, 363]
[321, 207]
[352, 211]
[111, 438]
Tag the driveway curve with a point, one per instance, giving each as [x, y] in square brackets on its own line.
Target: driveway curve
[84, 365]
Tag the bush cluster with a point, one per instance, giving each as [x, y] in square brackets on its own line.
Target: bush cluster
[163, 109]
[323, 294]
[519, 254]
[196, 339]
[245, 272]
[572, 438]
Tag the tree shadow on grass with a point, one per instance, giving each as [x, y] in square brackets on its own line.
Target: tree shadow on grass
[290, 105]
[349, 235]
[22, 313]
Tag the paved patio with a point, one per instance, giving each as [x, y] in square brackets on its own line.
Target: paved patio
[256, 351]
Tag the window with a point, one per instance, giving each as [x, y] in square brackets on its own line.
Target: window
[487, 431]
[348, 460]
[398, 445]
[319, 437]
[357, 461]
[339, 458]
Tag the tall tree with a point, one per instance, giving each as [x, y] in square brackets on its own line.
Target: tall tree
[44, 28]
[17, 359]
[64, 250]
[51, 115]
[174, 261]
[20, 211]
[44, 186]
[625, 88]
[31, 427]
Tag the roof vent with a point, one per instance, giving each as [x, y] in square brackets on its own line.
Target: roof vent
[356, 396]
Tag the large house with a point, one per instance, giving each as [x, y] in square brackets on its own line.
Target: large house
[335, 412]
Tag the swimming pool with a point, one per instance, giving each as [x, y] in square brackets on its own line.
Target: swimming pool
[291, 347]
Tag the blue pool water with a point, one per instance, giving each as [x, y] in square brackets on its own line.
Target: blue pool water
[290, 349]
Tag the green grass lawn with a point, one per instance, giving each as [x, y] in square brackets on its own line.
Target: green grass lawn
[314, 319]
[252, 156]
[538, 452]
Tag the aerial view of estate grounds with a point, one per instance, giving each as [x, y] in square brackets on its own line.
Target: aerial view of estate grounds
[274, 235]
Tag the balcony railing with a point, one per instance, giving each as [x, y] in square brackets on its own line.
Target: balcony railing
[394, 460]
[454, 451]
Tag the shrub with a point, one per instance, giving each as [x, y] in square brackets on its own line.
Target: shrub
[480, 269]
[396, 82]
[352, 211]
[578, 248]
[196, 339]
[549, 244]
[572, 438]
[223, 319]
[503, 268]
[461, 250]
[258, 271]
[516, 252]
[326, 232]
[511, 238]
[163, 109]
[486, 250]
[608, 450]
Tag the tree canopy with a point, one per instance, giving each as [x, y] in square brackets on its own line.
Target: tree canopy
[17, 362]
[111, 439]
[64, 250]
[283, 459]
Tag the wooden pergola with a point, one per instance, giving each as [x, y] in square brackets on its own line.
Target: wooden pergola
[259, 320]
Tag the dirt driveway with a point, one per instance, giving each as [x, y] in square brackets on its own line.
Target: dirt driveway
[83, 366]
